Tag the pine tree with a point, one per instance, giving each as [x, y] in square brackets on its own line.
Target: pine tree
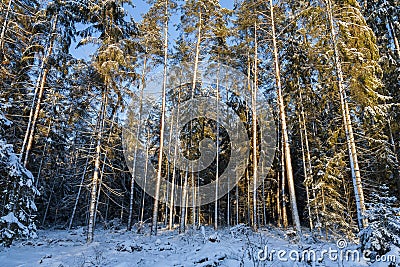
[203, 27]
[113, 64]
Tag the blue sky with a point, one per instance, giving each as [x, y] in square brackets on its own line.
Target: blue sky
[141, 7]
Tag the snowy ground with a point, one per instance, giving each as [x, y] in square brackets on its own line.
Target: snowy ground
[203, 247]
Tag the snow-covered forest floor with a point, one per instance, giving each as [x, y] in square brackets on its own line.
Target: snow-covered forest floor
[237, 246]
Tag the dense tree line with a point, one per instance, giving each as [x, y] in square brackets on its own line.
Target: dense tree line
[329, 68]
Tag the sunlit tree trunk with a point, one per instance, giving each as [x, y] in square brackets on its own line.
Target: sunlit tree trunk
[283, 185]
[395, 39]
[254, 128]
[30, 132]
[160, 156]
[288, 161]
[4, 28]
[306, 177]
[96, 174]
[355, 169]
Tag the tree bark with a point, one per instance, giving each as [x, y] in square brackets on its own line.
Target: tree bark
[4, 28]
[288, 161]
[355, 170]
[132, 188]
[254, 128]
[95, 180]
[30, 133]
[160, 156]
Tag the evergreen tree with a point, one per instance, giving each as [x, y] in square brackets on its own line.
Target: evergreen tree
[114, 68]
[17, 194]
[384, 227]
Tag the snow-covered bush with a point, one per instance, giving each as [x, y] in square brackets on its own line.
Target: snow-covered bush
[384, 224]
[16, 196]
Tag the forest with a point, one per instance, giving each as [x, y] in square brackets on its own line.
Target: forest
[319, 86]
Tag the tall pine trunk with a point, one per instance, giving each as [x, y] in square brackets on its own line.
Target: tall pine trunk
[254, 128]
[355, 170]
[160, 156]
[288, 161]
[39, 92]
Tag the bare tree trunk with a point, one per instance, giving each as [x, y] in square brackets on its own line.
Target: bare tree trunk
[43, 154]
[160, 156]
[248, 208]
[96, 174]
[184, 204]
[288, 161]
[132, 189]
[254, 128]
[4, 28]
[79, 191]
[309, 167]
[283, 176]
[355, 170]
[145, 178]
[217, 159]
[278, 205]
[196, 63]
[100, 182]
[30, 133]
[306, 177]
[168, 193]
[237, 204]
[51, 195]
[324, 212]
[395, 40]
[171, 209]
[265, 203]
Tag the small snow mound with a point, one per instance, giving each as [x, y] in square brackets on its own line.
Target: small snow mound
[291, 235]
[79, 231]
[165, 247]
[128, 247]
[210, 261]
[214, 238]
[240, 229]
